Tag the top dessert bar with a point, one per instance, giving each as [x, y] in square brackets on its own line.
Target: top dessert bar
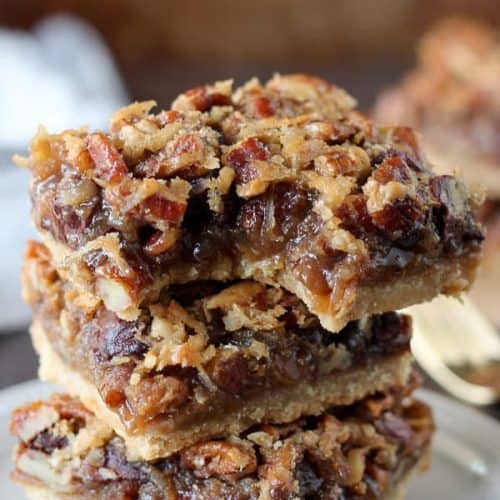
[284, 183]
[453, 97]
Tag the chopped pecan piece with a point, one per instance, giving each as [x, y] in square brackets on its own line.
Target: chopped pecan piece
[27, 421]
[164, 209]
[204, 97]
[215, 458]
[242, 156]
[156, 395]
[260, 106]
[113, 382]
[109, 163]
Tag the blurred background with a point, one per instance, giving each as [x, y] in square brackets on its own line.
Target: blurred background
[66, 63]
[163, 46]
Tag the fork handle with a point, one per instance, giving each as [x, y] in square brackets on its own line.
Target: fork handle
[433, 365]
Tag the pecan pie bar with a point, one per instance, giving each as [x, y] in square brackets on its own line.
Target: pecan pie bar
[284, 183]
[453, 98]
[207, 359]
[367, 450]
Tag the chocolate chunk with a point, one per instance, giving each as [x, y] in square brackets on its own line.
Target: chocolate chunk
[394, 427]
[237, 372]
[47, 442]
[116, 461]
[453, 219]
[391, 332]
[118, 337]
[309, 480]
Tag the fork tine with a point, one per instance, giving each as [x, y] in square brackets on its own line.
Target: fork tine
[432, 363]
[448, 334]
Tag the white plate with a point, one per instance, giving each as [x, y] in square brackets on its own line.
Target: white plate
[465, 461]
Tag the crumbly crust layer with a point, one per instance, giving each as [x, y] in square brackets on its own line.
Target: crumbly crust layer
[284, 404]
[364, 450]
[284, 183]
[452, 98]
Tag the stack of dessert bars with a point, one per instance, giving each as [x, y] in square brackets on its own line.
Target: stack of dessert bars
[216, 292]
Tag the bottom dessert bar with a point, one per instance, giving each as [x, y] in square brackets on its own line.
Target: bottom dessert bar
[364, 451]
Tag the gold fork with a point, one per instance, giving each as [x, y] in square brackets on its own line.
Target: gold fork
[455, 344]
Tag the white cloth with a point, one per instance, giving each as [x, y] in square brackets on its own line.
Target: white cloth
[60, 75]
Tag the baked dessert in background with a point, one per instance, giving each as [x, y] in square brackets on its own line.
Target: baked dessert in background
[284, 183]
[452, 97]
[207, 360]
[367, 450]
